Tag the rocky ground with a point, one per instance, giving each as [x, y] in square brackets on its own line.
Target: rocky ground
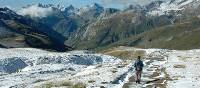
[167, 69]
[27, 67]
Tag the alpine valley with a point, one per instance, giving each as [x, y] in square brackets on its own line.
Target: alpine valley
[51, 46]
[160, 24]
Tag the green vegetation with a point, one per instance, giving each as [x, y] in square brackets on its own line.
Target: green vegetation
[176, 36]
[125, 28]
[106, 32]
[91, 81]
[125, 54]
[179, 66]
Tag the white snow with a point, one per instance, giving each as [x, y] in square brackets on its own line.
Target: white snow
[79, 66]
[98, 70]
[184, 75]
[182, 67]
[169, 5]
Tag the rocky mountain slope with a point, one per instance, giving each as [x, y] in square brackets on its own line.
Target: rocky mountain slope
[95, 27]
[19, 31]
[176, 36]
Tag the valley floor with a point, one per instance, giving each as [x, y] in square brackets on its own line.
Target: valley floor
[33, 68]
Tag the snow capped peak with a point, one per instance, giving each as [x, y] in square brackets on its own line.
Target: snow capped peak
[91, 9]
[71, 7]
[135, 7]
[154, 5]
[59, 7]
[163, 7]
[45, 5]
[179, 3]
[96, 5]
[6, 10]
[6, 13]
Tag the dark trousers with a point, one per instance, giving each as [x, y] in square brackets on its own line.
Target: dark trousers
[138, 76]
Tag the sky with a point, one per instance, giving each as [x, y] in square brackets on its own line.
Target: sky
[17, 4]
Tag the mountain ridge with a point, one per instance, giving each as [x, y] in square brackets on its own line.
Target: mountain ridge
[94, 26]
[28, 29]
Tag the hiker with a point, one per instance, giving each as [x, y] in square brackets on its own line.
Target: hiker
[138, 68]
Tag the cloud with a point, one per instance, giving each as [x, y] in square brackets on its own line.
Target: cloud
[35, 11]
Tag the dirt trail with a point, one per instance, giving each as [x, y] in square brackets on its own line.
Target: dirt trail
[153, 76]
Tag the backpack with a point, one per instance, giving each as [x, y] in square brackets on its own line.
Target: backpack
[139, 66]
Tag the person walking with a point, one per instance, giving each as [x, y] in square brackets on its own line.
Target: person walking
[138, 69]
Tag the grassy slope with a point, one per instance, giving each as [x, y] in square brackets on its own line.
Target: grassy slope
[121, 52]
[177, 36]
[118, 28]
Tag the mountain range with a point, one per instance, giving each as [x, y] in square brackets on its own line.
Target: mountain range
[172, 24]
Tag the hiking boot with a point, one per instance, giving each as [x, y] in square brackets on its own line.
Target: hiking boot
[139, 82]
[136, 81]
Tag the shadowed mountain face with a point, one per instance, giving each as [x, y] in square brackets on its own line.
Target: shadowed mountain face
[19, 31]
[96, 27]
